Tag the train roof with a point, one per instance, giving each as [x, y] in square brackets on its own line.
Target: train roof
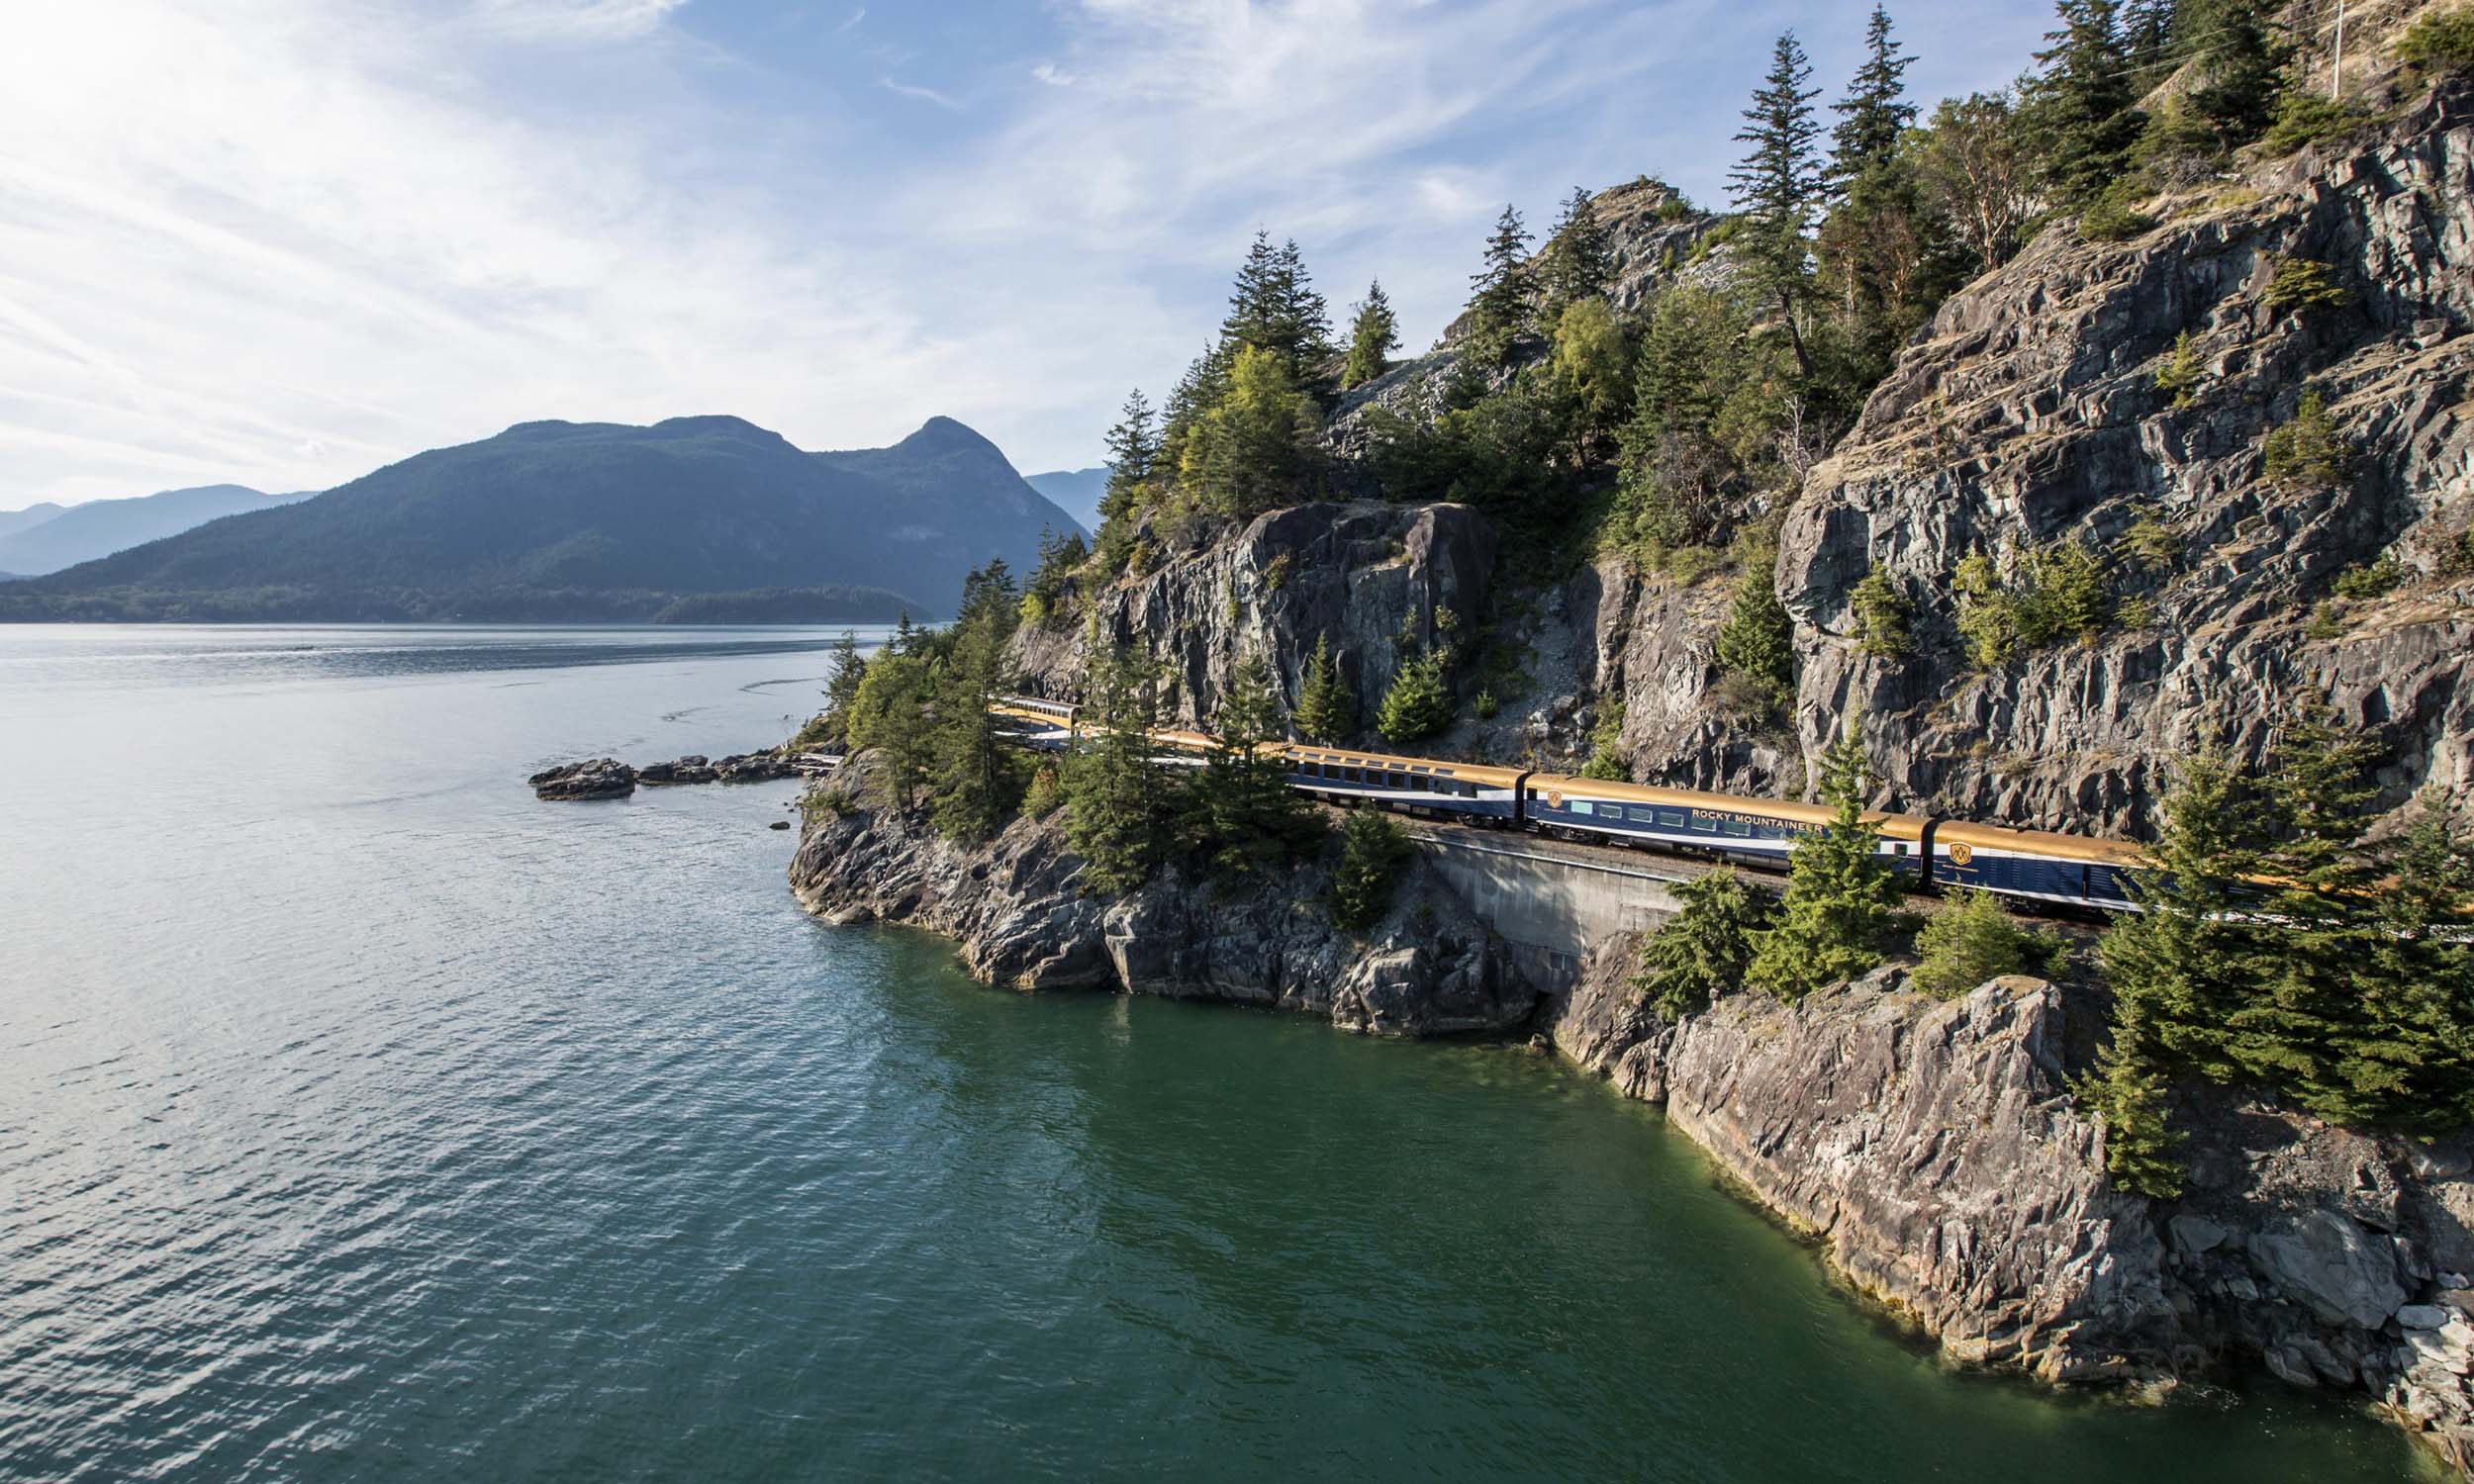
[1893, 826]
[2041, 842]
[1344, 756]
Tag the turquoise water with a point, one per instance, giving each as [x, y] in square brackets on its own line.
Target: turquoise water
[361, 1118]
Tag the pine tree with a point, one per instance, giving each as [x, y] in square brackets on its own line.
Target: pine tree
[2411, 1052]
[2181, 965]
[1779, 185]
[1273, 308]
[1757, 642]
[1974, 939]
[1419, 705]
[1119, 797]
[1505, 290]
[1704, 951]
[1841, 896]
[1247, 817]
[1372, 338]
[1254, 449]
[1578, 260]
[2126, 1090]
[2240, 65]
[2080, 106]
[1372, 851]
[1875, 111]
[975, 781]
[1199, 390]
[2152, 33]
[889, 717]
[1327, 709]
[1133, 456]
[841, 688]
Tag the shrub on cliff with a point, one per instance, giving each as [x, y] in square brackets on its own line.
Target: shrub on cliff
[1757, 644]
[1419, 705]
[1975, 939]
[2439, 41]
[1254, 449]
[1372, 851]
[2306, 452]
[1705, 950]
[1881, 612]
[1839, 897]
[1327, 709]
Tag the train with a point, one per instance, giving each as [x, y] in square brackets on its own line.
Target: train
[1930, 853]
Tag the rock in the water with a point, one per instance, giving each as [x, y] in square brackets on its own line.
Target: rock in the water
[595, 778]
[779, 824]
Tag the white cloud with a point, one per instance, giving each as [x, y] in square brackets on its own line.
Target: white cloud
[573, 20]
[1047, 72]
[923, 94]
[856, 17]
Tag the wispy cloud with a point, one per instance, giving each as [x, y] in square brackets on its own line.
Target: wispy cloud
[923, 94]
[856, 17]
[284, 241]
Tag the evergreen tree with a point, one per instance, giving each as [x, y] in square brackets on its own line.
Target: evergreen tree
[1758, 640]
[1373, 849]
[2179, 966]
[1779, 185]
[1419, 705]
[2081, 104]
[1327, 708]
[841, 688]
[1273, 308]
[1254, 449]
[1119, 797]
[1974, 939]
[1505, 290]
[1704, 951]
[2240, 65]
[1372, 338]
[889, 716]
[1875, 111]
[1133, 458]
[1590, 359]
[1841, 896]
[1199, 390]
[2126, 1090]
[2152, 33]
[1579, 261]
[1247, 817]
[975, 781]
[1977, 171]
[2412, 1051]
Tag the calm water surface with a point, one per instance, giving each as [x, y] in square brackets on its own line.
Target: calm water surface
[361, 1118]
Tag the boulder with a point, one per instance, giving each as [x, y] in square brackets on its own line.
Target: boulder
[595, 778]
[2333, 1265]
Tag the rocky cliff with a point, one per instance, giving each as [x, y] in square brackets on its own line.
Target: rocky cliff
[1933, 1146]
[2031, 411]
[1378, 582]
[1016, 907]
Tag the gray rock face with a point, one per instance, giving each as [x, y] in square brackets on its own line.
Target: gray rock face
[1017, 908]
[1935, 1149]
[2029, 412]
[595, 778]
[1930, 1144]
[1378, 580]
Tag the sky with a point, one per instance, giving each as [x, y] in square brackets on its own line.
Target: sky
[283, 242]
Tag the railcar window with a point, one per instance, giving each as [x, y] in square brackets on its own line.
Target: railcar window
[1738, 827]
[1349, 774]
[1584, 806]
[1672, 818]
[1702, 824]
[1420, 784]
[1642, 816]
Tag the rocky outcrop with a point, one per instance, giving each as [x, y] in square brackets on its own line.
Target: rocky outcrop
[739, 768]
[1657, 238]
[2030, 413]
[596, 777]
[1933, 1148]
[1017, 908]
[1379, 582]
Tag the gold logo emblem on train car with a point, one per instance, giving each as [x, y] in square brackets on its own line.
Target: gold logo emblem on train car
[1555, 798]
[1961, 854]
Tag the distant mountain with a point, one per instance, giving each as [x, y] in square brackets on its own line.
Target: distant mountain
[567, 521]
[13, 522]
[1077, 490]
[82, 533]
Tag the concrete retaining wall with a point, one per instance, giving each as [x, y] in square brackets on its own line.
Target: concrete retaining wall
[1552, 906]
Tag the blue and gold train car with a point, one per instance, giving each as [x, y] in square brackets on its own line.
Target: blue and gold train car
[1470, 789]
[1756, 831]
